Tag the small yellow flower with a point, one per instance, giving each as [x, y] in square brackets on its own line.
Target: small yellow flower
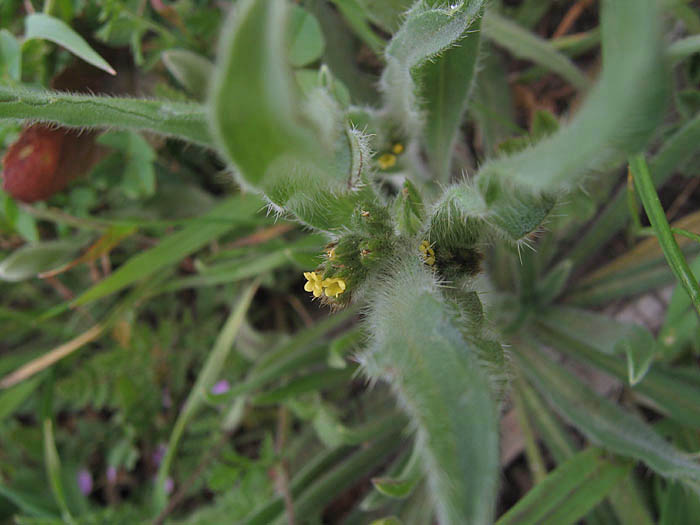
[331, 253]
[427, 253]
[397, 149]
[386, 161]
[334, 286]
[314, 283]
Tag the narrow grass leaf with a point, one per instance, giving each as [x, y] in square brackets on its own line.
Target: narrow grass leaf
[206, 378]
[53, 471]
[222, 219]
[603, 422]
[669, 392]
[570, 491]
[657, 218]
[526, 45]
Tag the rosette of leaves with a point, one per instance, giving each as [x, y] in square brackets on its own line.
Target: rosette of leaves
[305, 152]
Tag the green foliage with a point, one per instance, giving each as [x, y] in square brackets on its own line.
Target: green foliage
[352, 118]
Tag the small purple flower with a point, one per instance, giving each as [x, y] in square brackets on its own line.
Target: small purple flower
[221, 387]
[111, 474]
[159, 453]
[84, 479]
[169, 485]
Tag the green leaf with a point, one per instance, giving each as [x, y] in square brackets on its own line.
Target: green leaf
[570, 491]
[191, 70]
[222, 219]
[52, 463]
[617, 119]
[404, 482]
[174, 119]
[357, 18]
[306, 41]
[139, 179]
[436, 376]
[32, 259]
[603, 422]
[445, 84]
[40, 25]
[306, 162]
[526, 45]
[211, 370]
[609, 337]
[10, 57]
[428, 31]
[675, 151]
[11, 399]
[657, 218]
[669, 391]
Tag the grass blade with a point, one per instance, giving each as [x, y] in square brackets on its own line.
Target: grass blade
[657, 218]
[603, 422]
[526, 45]
[220, 220]
[206, 378]
[570, 491]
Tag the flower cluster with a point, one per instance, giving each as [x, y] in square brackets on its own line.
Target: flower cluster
[317, 285]
[427, 253]
[388, 160]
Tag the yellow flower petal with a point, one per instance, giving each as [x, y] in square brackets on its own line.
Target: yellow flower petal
[397, 149]
[387, 161]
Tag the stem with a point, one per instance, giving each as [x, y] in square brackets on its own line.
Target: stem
[657, 218]
[185, 121]
[206, 378]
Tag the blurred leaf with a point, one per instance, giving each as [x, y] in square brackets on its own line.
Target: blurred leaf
[191, 70]
[527, 45]
[13, 398]
[609, 337]
[40, 25]
[53, 470]
[357, 17]
[404, 482]
[30, 260]
[305, 37]
[570, 491]
[610, 125]
[223, 218]
[303, 163]
[139, 179]
[603, 422]
[210, 371]
[10, 57]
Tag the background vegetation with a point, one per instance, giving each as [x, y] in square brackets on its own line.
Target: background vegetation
[467, 189]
